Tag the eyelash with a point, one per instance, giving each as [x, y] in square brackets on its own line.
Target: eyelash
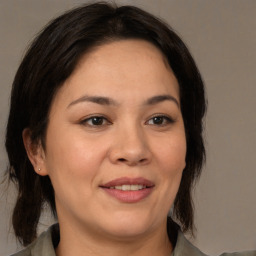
[102, 118]
[166, 119]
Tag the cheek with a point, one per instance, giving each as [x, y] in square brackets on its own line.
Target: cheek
[170, 165]
[72, 157]
[171, 157]
[172, 154]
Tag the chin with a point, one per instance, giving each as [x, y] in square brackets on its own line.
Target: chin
[130, 226]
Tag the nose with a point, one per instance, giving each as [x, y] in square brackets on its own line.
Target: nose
[130, 147]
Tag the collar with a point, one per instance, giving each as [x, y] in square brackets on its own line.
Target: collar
[48, 240]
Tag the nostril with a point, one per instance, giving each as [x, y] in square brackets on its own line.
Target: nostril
[123, 160]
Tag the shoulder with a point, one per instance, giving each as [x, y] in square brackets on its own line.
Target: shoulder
[43, 245]
[185, 248]
[25, 252]
[246, 253]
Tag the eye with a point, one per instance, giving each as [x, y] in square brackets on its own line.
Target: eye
[95, 121]
[160, 120]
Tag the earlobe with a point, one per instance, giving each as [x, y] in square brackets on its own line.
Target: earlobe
[185, 164]
[35, 153]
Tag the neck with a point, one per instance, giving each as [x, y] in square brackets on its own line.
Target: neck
[76, 241]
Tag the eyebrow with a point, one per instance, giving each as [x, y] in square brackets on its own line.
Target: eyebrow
[95, 99]
[101, 100]
[159, 98]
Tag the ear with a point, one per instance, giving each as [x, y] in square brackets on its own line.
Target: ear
[35, 153]
[185, 164]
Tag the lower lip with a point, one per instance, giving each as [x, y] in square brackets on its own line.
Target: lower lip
[129, 196]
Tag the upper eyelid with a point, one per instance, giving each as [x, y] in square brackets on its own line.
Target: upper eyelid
[108, 120]
[167, 118]
[94, 115]
[162, 115]
[86, 119]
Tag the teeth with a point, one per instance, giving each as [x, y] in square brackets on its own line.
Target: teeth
[136, 187]
[129, 187]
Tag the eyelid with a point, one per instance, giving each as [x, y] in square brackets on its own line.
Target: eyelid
[168, 118]
[85, 120]
[106, 121]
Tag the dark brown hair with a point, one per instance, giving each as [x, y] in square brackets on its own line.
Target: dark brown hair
[51, 59]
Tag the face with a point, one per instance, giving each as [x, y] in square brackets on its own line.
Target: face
[115, 142]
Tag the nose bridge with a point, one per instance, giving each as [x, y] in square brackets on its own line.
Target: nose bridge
[130, 145]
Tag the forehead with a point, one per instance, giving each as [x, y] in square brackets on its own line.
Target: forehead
[125, 51]
[122, 68]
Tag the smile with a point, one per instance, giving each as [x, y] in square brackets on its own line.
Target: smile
[128, 190]
[129, 187]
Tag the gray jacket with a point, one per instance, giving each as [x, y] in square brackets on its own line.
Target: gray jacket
[45, 243]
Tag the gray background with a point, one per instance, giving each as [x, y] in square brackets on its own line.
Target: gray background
[221, 35]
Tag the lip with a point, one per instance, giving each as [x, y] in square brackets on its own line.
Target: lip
[128, 181]
[130, 196]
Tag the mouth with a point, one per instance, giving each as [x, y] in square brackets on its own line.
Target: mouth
[128, 190]
[133, 187]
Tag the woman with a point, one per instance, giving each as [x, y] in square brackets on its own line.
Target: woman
[105, 126]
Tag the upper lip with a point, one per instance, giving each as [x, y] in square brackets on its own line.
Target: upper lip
[128, 181]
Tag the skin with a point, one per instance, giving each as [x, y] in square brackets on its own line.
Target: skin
[127, 142]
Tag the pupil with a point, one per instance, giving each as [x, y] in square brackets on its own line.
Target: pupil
[97, 120]
[158, 120]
